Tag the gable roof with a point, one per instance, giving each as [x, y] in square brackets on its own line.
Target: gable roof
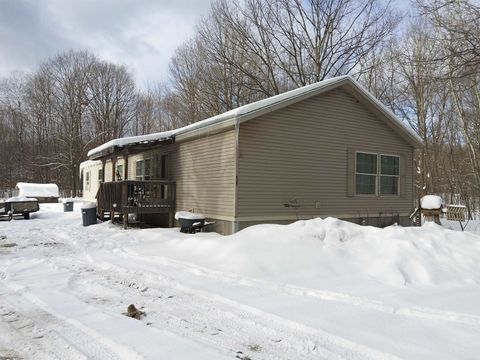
[255, 109]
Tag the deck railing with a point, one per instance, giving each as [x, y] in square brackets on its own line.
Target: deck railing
[138, 197]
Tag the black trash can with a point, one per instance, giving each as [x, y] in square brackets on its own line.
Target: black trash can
[89, 215]
[67, 206]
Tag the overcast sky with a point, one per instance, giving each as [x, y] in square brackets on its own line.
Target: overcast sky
[141, 34]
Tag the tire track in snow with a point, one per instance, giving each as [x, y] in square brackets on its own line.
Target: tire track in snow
[198, 310]
[241, 335]
[38, 334]
[205, 321]
[423, 313]
[53, 336]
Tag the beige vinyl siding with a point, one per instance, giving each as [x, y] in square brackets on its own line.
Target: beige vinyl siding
[132, 163]
[152, 155]
[300, 152]
[204, 171]
[108, 171]
[109, 168]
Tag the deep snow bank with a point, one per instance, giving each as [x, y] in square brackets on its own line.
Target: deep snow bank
[322, 248]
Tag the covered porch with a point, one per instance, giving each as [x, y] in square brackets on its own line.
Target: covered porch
[118, 199]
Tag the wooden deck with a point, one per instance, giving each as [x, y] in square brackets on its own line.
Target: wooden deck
[136, 197]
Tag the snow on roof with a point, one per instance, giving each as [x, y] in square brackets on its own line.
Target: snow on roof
[247, 109]
[132, 140]
[431, 202]
[20, 199]
[88, 163]
[37, 190]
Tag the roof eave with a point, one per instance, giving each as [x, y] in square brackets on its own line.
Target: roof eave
[409, 133]
[224, 122]
[114, 149]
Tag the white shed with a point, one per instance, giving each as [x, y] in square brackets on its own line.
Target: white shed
[45, 193]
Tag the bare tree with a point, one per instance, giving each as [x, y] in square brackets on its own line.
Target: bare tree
[39, 101]
[15, 152]
[423, 98]
[457, 26]
[244, 51]
[69, 74]
[458, 36]
[110, 99]
[293, 43]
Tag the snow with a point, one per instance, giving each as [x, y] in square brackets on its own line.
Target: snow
[315, 289]
[37, 190]
[88, 205]
[248, 109]
[88, 163]
[132, 140]
[188, 215]
[431, 202]
[19, 199]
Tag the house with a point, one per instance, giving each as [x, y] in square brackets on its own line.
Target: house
[44, 193]
[326, 149]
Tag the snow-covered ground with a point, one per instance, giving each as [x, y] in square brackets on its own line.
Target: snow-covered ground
[316, 289]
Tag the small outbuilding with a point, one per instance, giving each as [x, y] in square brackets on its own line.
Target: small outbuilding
[44, 193]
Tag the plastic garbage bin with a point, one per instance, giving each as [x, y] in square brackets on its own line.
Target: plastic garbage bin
[89, 214]
[67, 206]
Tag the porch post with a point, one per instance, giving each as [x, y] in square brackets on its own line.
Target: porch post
[103, 169]
[125, 165]
[114, 170]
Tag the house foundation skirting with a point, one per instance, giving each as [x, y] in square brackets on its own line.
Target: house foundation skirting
[226, 227]
[370, 221]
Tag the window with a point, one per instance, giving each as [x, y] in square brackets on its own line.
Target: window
[161, 167]
[87, 180]
[119, 172]
[389, 174]
[143, 169]
[100, 175]
[377, 174]
[366, 173]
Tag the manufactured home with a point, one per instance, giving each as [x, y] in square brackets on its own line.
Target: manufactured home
[326, 149]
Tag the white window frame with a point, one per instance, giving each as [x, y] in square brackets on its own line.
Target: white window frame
[378, 175]
[102, 178]
[117, 171]
[142, 176]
